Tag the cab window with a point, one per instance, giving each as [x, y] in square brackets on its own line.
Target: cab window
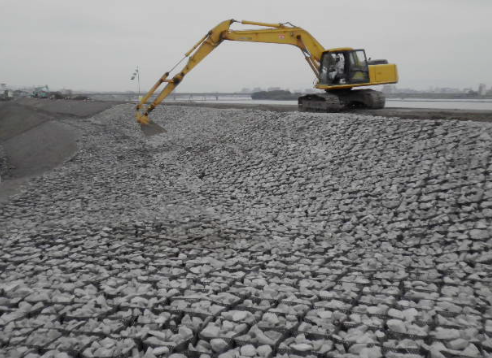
[358, 70]
[344, 67]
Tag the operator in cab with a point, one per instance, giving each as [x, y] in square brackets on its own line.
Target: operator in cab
[337, 71]
[340, 69]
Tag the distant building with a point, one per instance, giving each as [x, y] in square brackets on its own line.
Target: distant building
[21, 93]
[405, 90]
[449, 90]
[66, 92]
[6, 95]
[273, 89]
[444, 90]
[482, 89]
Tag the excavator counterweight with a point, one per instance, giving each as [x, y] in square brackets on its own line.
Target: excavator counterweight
[338, 71]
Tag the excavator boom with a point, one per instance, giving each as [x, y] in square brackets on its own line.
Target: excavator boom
[281, 33]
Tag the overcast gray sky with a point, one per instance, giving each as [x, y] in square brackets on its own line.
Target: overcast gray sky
[96, 44]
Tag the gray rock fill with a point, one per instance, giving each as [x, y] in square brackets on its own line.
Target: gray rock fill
[346, 211]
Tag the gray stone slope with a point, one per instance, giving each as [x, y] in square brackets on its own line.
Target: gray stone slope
[254, 233]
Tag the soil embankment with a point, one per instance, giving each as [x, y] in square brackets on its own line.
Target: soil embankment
[34, 137]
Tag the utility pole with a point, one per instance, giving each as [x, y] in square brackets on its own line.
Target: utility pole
[138, 78]
[137, 74]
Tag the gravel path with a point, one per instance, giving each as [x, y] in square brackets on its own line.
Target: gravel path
[256, 234]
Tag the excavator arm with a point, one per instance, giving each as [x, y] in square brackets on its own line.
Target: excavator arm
[274, 33]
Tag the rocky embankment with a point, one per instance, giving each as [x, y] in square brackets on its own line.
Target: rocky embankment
[256, 234]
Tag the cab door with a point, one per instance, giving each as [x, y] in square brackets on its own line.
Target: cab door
[358, 70]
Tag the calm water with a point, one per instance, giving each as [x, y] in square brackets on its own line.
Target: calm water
[467, 104]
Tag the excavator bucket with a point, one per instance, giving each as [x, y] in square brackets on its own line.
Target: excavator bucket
[151, 129]
[148, 127]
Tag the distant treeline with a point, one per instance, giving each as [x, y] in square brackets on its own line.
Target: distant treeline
[278, 95]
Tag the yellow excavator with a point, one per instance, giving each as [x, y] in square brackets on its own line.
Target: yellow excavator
[338, 70]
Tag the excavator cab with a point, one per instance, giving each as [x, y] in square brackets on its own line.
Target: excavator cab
[342, 67]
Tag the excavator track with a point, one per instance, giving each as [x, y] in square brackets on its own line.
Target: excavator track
[336, 101]
[322, 102]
